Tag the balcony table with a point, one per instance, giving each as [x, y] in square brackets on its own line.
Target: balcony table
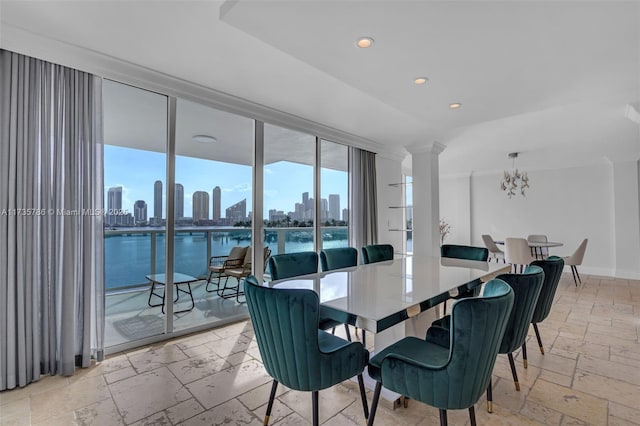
[178, 280]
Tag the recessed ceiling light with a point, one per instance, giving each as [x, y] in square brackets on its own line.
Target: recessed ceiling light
[364, 42]
[455, 105]
[204, 138]
[420, 80]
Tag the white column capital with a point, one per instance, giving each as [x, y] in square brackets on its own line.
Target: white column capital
[431, 147]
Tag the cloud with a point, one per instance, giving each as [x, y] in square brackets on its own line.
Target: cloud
[268, 171]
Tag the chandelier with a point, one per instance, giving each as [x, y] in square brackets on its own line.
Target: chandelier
[514, 181]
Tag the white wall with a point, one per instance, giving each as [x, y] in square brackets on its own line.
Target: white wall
[565, 204]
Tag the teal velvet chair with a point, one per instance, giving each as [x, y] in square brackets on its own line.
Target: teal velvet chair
[526, 289]
[552, 267]
[453, 374]
[464, 252]
[338, 258]
[293, 350]
[377, 253]
[469, 253]
[292, 265]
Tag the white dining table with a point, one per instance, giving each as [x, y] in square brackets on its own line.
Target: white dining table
[537, 246]
[394, 298]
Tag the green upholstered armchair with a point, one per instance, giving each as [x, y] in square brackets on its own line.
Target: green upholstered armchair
[302, 263]
[464, 252]
[377, 253]
[552, 267]
[294, 352]
[468, 253]
[453, 375]
[338, 258]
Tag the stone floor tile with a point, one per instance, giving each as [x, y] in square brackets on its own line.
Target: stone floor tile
[610, 369]
[260, 395]
[124, 373]
[229, 345]
[157, 419]
[156, 357]
[628, 414]
[16, 414]
[607, 388]
[331, 402]
[572, 402]
[104, 411]
[557, 378]
[571, 348]
[148, 393]
[624, 360]
[195, 368]
[278, 412]
[44, 384]
[294, 419]
[230, 413]
[183, 411]
[230, 383]
[540, 413]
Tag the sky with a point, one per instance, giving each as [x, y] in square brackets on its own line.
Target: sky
[284, 182]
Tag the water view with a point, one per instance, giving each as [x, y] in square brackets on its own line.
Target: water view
[133, 253]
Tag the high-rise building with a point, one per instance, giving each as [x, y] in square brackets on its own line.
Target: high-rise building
[200, 206]
[217, 199]
[140, 212]
[237, 212]
[179, 197]
[345, 215]
[114, 198]
[324, 209]
[157, 200]
[114, 205]
[305, 200]
[334, 206]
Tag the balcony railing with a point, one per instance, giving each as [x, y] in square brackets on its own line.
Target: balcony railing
[132, 253]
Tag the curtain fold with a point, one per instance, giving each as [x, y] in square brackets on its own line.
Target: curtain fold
[363, 207]
[51, 214]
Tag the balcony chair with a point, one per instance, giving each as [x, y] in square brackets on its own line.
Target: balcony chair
[377, 253]
[494, 250]
[575, 260]
[293, 350]
[526, 289]
[464, 252]
[449, 374]
[517, 252]
[219, 264]
[543, 251]
[302, 263]
[552, 267]
[240, 273]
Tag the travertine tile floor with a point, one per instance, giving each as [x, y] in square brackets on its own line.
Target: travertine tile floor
[590, 374]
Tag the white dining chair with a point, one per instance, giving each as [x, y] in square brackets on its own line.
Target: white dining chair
[539, 238]
[576, 259]
[494, 250]
[517, 253]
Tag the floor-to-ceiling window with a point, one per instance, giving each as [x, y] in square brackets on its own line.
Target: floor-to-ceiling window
[289, 206]
[201, 169]
[135, 135]
[334, 190]
[213, 193]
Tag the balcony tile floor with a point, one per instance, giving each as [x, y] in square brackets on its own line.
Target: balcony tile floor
[589, 375]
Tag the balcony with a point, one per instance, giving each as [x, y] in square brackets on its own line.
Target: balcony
[133, 253]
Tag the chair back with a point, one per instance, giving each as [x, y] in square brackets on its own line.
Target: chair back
[552, 267]
[517, 251]
[526, 290]
[377, 253]
[285, 322]
[289, 265]
[464, 252]
[237, 252]
[539, 238]
[490, 244]
[477, 328]
[576, 258]
[337, 258]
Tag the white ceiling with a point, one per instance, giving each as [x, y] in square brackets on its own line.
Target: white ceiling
[549, 79]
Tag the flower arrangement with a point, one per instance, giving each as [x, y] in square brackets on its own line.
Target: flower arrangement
[445, 229]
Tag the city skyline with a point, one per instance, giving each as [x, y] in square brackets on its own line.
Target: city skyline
[138, 174]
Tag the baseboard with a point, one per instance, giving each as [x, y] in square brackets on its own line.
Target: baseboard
[629, 274]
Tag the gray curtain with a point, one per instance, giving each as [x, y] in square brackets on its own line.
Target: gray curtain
[51, 252]
[363, 207]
